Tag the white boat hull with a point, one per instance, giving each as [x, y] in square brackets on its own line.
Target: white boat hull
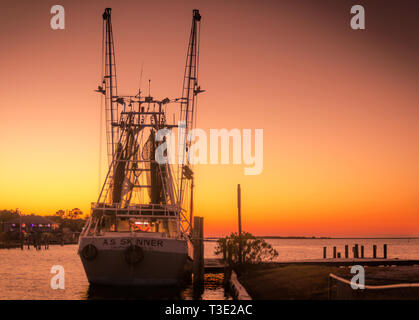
[165, 261]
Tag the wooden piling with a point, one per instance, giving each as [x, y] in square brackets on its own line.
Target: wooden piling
[374, 251]
[229, 254]
[224, 248]
[21, 240]
[226, 258]
[239, 205]
[362, 252]
[324, 252]
[191, 207]
[346, 251]
[334, 252]
[385, 251]
[198, 243]
[227, 276]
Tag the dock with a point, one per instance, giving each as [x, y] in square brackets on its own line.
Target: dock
[215, 265]
[350, 262]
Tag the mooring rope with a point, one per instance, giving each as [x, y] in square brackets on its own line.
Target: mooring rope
[388, 286]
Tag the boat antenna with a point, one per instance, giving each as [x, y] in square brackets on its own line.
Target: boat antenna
[141, 79]
[149, 87]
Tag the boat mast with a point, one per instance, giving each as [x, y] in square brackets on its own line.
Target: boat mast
[187, 108]
[110, 90]
[133, 170]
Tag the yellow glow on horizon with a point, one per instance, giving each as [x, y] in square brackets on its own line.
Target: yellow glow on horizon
[340, 121]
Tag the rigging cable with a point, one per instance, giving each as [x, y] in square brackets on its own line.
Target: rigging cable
[101, 113]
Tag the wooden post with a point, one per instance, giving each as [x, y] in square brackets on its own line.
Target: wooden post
[385, 251]
[191, 209]
[374, 251]
[324, 252]
[362, 252]
[20, 229]
[229, 254]
[227, 276]
[198, 242]
[224, 247]
[356, 253]
[20, 221]
[239, 204]
[346, 251]
[334, 252]
[202, 254]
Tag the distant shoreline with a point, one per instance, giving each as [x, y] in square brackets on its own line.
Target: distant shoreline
[336, 238]
[327, 238]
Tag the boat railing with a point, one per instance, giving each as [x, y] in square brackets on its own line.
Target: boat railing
[140, 210]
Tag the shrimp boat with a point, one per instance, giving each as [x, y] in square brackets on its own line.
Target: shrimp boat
[139, 230]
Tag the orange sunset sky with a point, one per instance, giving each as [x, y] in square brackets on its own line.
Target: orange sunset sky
[339, 108]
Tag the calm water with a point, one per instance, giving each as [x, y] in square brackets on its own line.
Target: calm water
[301, 249]
[26, 274]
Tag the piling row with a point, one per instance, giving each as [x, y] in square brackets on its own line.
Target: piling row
[356, 252]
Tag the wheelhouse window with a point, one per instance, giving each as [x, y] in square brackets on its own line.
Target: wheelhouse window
[164, 227]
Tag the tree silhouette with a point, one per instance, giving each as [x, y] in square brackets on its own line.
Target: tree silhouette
[254, 250]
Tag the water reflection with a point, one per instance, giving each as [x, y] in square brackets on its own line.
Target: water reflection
[213, 289]
[97, 292]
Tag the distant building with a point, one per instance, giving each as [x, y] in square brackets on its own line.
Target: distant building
[31, 223]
